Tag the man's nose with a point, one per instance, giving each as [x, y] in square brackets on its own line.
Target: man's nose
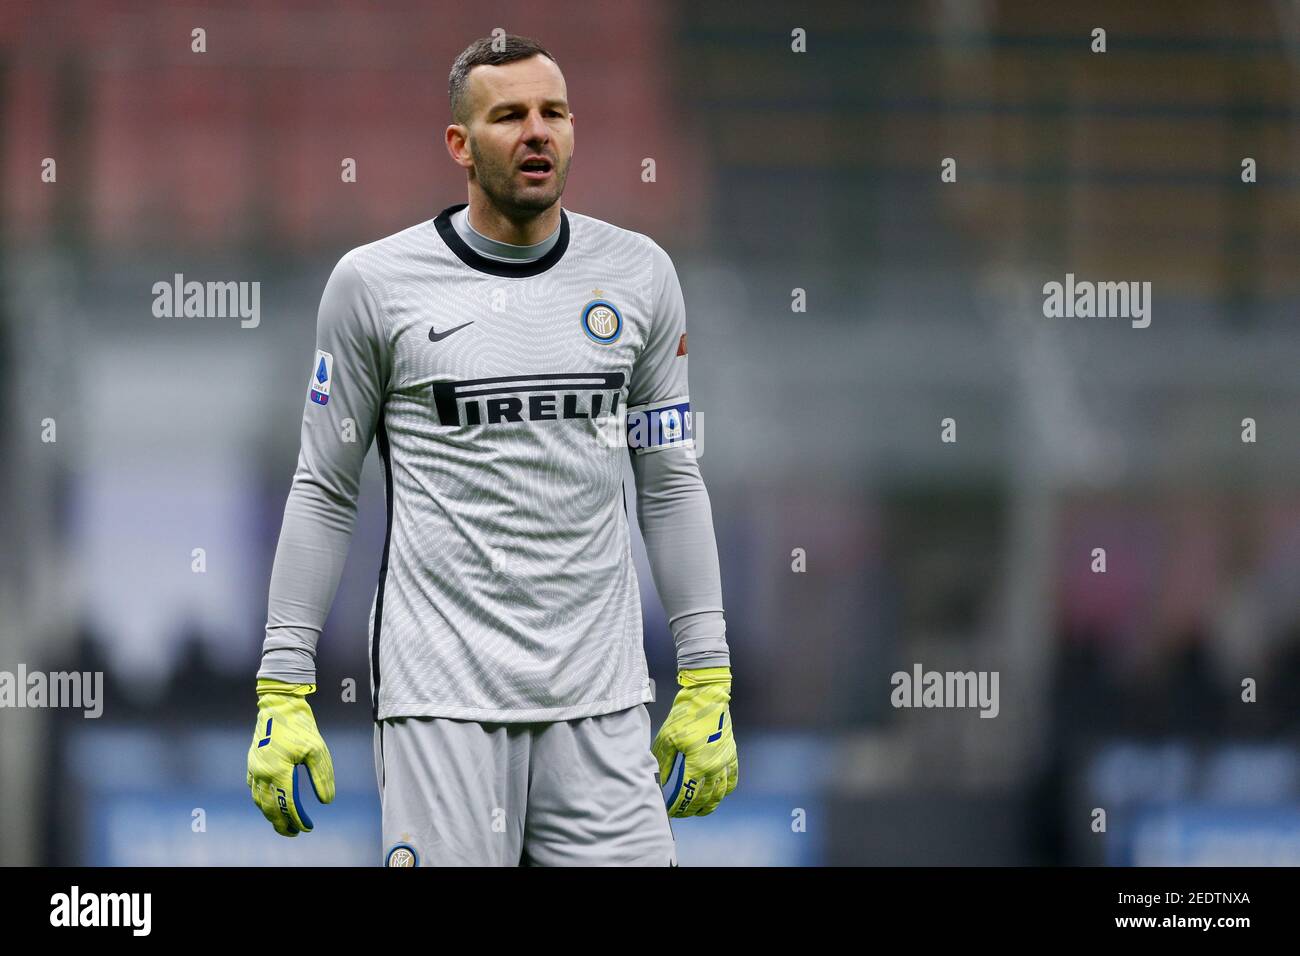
[535, 127]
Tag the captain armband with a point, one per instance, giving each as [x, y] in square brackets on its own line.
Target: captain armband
[660, 425]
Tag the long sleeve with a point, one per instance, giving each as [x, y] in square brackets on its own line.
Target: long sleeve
[672, 503]
[346, 390]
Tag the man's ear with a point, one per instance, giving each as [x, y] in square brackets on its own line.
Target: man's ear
[457, 140]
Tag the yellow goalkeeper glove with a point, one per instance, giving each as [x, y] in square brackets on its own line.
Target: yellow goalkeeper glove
[695, 747]
[284, 737]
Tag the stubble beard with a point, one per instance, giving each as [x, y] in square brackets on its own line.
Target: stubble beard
[498, 182]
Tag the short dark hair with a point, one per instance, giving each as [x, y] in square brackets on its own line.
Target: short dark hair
[482, 53]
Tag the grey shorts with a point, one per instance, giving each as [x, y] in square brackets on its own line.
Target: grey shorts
[579, 792]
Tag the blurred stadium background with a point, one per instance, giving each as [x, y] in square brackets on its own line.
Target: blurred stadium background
[775, 171]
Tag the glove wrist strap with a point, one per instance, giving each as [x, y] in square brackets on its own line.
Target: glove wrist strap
[266, 685]
[704, 675]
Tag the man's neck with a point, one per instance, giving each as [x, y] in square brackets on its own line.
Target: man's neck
[501, 251]
[487, 220]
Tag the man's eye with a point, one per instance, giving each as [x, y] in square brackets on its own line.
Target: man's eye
[550, 114]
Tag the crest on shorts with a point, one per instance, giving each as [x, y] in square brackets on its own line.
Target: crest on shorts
[403, 854]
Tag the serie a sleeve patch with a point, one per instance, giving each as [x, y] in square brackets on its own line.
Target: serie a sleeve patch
[322, 376]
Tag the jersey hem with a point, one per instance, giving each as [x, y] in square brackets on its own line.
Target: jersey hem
[532, 715]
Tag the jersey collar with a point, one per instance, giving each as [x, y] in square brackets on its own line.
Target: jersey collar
[495, 267]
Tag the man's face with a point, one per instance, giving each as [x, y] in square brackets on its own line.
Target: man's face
[520, 133]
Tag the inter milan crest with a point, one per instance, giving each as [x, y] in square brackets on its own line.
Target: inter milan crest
[402, 854]
[601, 321]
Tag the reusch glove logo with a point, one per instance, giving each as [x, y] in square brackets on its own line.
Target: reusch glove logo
[689, 789]
[722, 719]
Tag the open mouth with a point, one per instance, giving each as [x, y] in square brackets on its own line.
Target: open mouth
[535, 168]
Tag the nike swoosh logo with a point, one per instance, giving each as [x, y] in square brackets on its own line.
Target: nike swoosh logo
[436, 336]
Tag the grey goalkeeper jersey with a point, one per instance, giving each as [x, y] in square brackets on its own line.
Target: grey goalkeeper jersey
[503, 397]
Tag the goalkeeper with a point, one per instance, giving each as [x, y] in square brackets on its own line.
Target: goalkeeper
[490, 354]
